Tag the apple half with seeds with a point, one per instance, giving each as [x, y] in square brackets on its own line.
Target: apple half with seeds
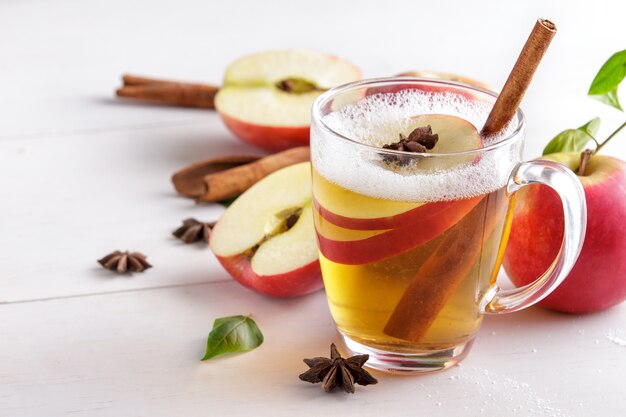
[266, 240]
[266, 98]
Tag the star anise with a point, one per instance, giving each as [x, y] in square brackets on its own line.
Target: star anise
[193, 230]
[338, 371]
[419, 140]
[122, 262]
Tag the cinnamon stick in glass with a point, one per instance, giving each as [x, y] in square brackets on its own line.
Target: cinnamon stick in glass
[437, 280]
[520, 77]
[438, 277]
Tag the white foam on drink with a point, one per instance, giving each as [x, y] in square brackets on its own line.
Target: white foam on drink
[377, 119]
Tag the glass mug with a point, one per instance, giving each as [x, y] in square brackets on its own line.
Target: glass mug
[411, 243]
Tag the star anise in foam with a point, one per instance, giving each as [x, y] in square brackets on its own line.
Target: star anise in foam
[338, 371]
[122, 262]
[419, 140]
[193, 230]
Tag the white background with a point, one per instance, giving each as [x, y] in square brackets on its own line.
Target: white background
[82, 174]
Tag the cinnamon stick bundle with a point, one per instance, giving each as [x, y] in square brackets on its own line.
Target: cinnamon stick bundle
[219, 179]
[173, 93]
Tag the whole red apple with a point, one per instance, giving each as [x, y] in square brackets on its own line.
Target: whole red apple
[598, 279]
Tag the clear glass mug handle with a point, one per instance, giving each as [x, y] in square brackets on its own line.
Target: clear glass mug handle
[570, 190]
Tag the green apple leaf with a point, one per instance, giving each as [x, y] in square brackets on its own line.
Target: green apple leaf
[232, 334]
[612, 73]
[574, 140]
[591, 127]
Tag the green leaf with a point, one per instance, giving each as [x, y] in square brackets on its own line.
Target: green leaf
[232, 334]
[573, 140]
[612, 73]
[591, 127]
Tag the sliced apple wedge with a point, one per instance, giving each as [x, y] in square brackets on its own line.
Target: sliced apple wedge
[357, 223]
[266, 238]
[266, 98]
[396, 241]
[355, 211]
[455, 133]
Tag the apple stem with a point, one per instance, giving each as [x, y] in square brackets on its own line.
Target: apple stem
[610, 137]
[588, 153]
[584, 158]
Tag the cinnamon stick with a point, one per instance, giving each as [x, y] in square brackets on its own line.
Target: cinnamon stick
[451, 263]
[189, 181]
[129, 79]
[214, 180]
[440, 275]
[520, 77]
[168, 92]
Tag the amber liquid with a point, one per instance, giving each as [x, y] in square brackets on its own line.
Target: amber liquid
[412, 279]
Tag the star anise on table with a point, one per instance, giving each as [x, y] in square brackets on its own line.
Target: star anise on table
[419, 140]
[338, 371]
[193, 230]
[122, 262]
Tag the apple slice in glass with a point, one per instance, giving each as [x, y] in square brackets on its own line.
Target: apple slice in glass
[355, 211]
[383, 245]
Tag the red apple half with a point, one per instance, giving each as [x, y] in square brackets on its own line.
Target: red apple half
[598, 279]
[266, 98]
[266, 239]
[355, 211]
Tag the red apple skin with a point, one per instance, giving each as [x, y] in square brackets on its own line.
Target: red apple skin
[301, 281]
[270, 138]
[421, 214]
[377, 223]
[598, 279]
[398, 240]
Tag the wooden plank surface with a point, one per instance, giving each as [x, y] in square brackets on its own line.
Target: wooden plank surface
[75, 198]
[138, 354]
[82, 174]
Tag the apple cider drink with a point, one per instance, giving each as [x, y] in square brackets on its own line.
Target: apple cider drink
[409, 242]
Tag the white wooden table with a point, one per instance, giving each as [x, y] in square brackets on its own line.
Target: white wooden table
[82, 174]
